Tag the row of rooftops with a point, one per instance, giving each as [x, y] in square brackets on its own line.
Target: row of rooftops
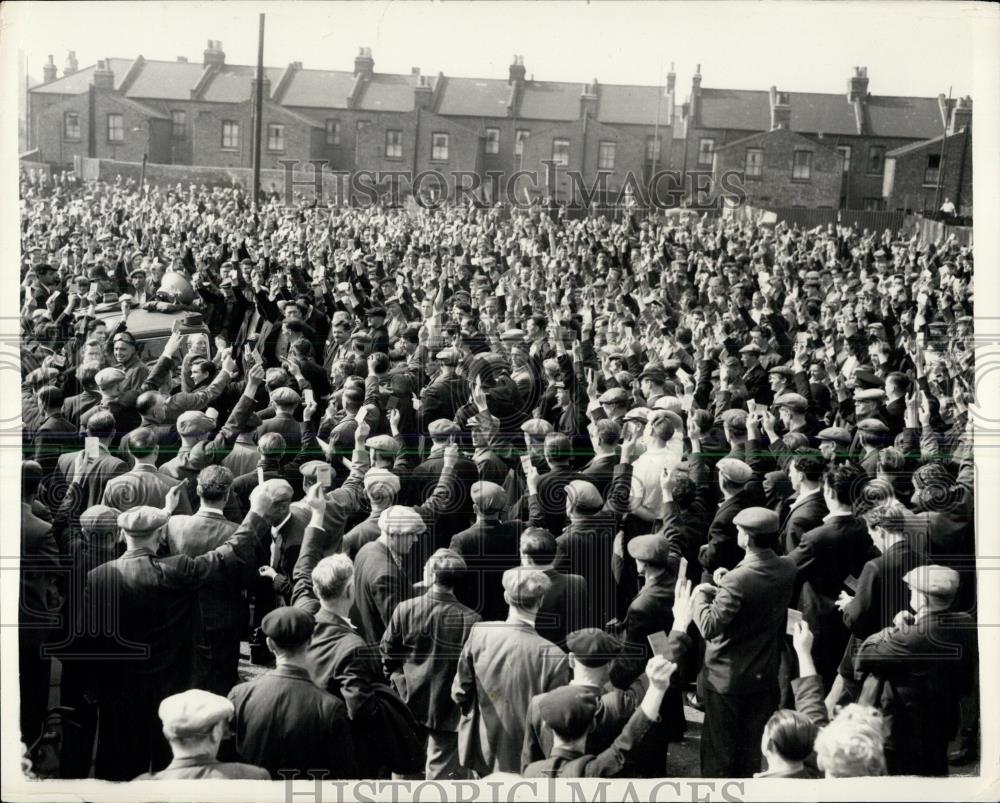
[517, 96]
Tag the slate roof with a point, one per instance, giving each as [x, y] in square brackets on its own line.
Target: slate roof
[319, 89]
[913, 147]
[79, 81]
[626, 104]
[164, 80]
[550, 100]
[474, 97]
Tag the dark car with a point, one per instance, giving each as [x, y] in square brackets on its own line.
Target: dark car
[151, 329]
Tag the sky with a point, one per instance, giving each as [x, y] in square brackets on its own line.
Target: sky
[920, 48]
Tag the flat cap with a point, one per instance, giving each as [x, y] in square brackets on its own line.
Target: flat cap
[614, 396]
[835, 435]
[757, 520]
[592, 646]
[869, 394]
[194, 422]
[536, 426]
[483, 421]
[584, 496]
[793, 401]
[865, 378]
[525, 586]
[375, 311]
[489, 497]
[142, 520]
[193, 713]
[637, 414]
[288, 626]
[100, 519]
[512, 336]
[381, 478]
[383, 443]
[313, 467]
[107, 377]
[654, 373]
[443, 426]
[736, 419]
[285, 396]
[126, 337]
[938, 581]
[400, 519]
[784, 370]
[650, 548]
[875, 425]
[669, 403]
[735, 470]
[568, 710]
[449, 357]
[750, 348]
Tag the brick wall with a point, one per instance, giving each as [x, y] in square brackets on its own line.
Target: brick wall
[775, 187]
[207, 149]
[909, 190]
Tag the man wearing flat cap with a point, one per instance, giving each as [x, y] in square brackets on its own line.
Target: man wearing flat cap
[739, 490]
[926, 659]
[422, 481]
[445, 394]
[195, 722]
[153, 599]
[283, 721]
[502, 666]
[742, 615]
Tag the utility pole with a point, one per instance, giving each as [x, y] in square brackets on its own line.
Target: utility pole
[944, 151]
[258, 106]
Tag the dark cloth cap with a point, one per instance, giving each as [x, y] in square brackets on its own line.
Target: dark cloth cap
[288, 626]
[592, 646]
[568, 710]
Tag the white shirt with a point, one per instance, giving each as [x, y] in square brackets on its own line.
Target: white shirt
[647, 470]
[275, 532]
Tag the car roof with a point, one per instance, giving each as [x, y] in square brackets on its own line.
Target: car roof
[144, 324]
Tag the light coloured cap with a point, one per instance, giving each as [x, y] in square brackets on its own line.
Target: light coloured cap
[100, 519]
[109, 377]
[142, 520]
[793, 401]
[614, 396]
[313, 467]
[638, 414]
[650, 548]
[286, 397]
[193, 713]
[937, 581]
[194, 422]
[381, 478]
[869, 394]
[536, 426]
[383, 443]
[401, 520]
[872, 425]
[757, 520]
[512, 336]
[584, 496]
[489, 497]
[735, 470]
[443, 426]
[671, 403]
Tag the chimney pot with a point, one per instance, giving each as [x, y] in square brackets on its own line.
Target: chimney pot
[49, 70]
[364, 64]
[214, 54]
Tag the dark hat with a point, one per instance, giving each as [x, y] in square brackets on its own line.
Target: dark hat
[650, 548]
[128, 337]
[757, 520]
[614, 396]
[375, 311]
[568, 710]
[288, 626]
[592, 646]
[654, 373]
[873, 425]
[867, 379]
[835, 435]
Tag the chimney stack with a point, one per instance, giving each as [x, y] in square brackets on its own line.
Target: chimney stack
[781, 110]
[103, 78]
[72, 65]
[49, 71]
[671, 79]
[961, 115]
[857, 86]
[588, 100]
[267, 88]
[182, 59]
[214, 55]
[696, 96]
[517, 72]
[364, 64]
[423, 93]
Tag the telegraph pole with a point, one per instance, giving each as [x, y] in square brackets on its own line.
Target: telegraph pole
[258, 106]
[944, 151]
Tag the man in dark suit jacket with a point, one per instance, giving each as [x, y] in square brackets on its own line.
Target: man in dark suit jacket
[551, 495]
[90, 478]
[283, 721]
[606, 436]
[143, 485]
[420, 484]
[56, 434]
[740, 491]
[806, 508]
[564, 606]
[826, 557]
[75, 406]
[742, 619]
[445, 394]
[144, 602]
[420, 651]
[881, 592]
[927, 660]
[285, 402]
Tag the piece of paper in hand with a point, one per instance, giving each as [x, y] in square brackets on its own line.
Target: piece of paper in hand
[851, 582]
[794, 617]
[682, 569]
[658, 642]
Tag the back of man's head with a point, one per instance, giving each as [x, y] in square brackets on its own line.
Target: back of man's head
[214, 483]
[538, 545]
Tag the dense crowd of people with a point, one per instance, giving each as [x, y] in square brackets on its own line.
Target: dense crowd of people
[489, 490]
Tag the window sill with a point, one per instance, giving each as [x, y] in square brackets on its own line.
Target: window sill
[75, 140]
[229, 150]
[439, 161]
[755, 177]
[801, 181]
[393, 158]
[276, 152]
[116, 142]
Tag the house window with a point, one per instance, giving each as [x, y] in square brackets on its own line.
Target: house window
[876, 160]
[492, 140]
[754, 164]
[520, 137]
[116, 128]
[439, 147]
[178, 124]
[71, 125]
[706, 152]
[606, 156]
[230, 135]
[652, 149]
[845, 154]
[873, 204]
[560, 152]
[275, 137]
[333, 132]
[802, 165]
[933, 170]
[393, 144]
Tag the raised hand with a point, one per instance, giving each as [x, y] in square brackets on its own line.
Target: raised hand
[659, 670]
[683, 608]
